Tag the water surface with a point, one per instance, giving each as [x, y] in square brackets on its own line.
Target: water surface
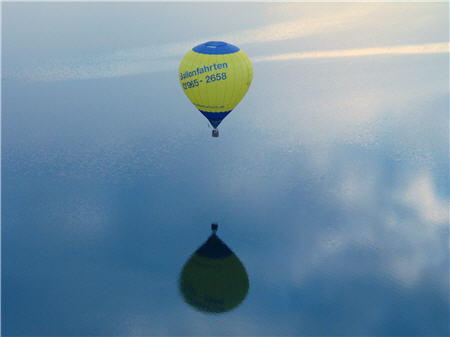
[329, 181]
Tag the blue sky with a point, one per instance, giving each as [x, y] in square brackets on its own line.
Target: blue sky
[329, 180]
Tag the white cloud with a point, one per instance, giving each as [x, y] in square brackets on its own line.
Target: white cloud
[166, 57]
[430, 48]
[318, 23]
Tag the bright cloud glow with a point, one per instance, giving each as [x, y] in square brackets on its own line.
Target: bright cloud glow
[141, 62]
[166, 57]
[432, 48]
[333, 21]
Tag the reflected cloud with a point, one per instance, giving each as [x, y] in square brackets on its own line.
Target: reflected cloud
[420, 196]
[214, 280]
[414, 223]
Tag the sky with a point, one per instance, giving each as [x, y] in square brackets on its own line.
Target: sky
[329, 180]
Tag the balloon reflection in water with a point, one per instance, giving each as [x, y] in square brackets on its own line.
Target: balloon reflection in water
[214, 280]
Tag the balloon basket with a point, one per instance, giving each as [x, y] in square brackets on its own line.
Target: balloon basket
[215, 133]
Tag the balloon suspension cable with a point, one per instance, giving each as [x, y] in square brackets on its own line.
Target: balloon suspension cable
[214, 227]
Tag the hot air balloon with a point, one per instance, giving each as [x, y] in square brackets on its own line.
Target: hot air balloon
[215, 76]
[214, 280]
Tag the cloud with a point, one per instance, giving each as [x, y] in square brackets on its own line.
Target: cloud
[325, 22]
[431, 48]
[147, 60]
[166, 57]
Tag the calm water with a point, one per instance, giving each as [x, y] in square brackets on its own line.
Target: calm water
[329, 181]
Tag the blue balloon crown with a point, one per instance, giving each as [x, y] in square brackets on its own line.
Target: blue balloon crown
[215, 48]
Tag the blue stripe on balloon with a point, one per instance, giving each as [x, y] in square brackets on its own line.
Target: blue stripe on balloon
[215, 48]
[215, 118]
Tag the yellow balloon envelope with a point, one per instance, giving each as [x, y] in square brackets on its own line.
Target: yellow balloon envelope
[215, 76]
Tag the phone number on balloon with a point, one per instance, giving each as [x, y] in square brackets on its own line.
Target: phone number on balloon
[209, 79]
